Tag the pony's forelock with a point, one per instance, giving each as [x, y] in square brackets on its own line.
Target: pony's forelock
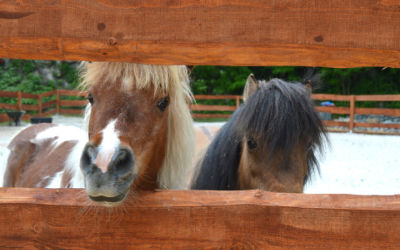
[169, 80]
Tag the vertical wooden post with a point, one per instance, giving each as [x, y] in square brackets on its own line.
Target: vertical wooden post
[58, 101]
[19, 96]
[40, 105]
[352, 107]
[237, 102]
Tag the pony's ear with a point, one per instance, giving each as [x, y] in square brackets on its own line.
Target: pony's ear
[308, 85]
[189, 68]
[251, 86]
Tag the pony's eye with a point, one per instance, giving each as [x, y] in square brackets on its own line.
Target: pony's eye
[251, 144]
[162, 104]
[90, 98]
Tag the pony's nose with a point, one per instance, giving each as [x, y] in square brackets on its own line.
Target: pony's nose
[120, 162]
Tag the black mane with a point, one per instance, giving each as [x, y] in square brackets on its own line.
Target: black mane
[281, 115]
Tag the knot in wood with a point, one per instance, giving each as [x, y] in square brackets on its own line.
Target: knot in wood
[112, 41]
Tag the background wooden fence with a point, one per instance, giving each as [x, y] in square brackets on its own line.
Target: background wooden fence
[45, 104]
[59, 102]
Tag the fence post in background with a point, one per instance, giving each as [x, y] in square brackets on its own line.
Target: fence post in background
[237, 102]
[19, 96]
[40, 104]
[58, 101]
[352, 106]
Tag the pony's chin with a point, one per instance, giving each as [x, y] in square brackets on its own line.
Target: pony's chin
[110, 201]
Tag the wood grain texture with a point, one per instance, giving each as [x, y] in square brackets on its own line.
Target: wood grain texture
[331, 33]
[44, 218]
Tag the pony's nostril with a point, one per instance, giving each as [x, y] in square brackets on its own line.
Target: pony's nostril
[88, 156]
[124, 161]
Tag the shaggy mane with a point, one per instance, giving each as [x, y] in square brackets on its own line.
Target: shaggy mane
[170, 80]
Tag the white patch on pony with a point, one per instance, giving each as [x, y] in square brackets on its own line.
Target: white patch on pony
[108, 146]
[72, 165]
[56, 180]
[61, 135]
[5, 152]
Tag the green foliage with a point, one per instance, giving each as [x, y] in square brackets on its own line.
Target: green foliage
[31, 76]
[219, 80]
[357, 81]
[41, 76]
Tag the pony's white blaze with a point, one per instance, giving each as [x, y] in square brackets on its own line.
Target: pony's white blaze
[108, 146]
[56, 180]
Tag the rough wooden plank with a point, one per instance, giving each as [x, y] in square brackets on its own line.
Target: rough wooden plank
[330, 97]
[30, 107]
[378, 98]
[8, 94]
[201, 107]
[9, 106]
[334, 110]
[198, 219]
[330, 33]
[377, 111]
[30, 96]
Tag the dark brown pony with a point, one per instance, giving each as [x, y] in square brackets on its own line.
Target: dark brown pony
[269, 143]
[140, 136]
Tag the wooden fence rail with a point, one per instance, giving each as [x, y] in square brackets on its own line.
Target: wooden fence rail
[57, 103]
[64, 218]
[75, 107]
[331, 33]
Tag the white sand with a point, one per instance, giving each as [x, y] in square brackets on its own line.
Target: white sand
[355, 163]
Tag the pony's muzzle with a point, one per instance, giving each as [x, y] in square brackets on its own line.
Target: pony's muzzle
[110, 184]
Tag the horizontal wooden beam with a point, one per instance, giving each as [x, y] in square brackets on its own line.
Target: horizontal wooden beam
[64, 218]
[202, 107]
[208, 116]
[329, 33]
[333, 110]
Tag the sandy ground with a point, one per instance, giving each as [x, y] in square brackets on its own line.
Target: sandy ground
[354, 163]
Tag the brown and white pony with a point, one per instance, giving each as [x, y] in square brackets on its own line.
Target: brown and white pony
[269, 143]
[140, 136]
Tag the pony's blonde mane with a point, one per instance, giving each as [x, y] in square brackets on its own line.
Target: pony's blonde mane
[171, 80]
